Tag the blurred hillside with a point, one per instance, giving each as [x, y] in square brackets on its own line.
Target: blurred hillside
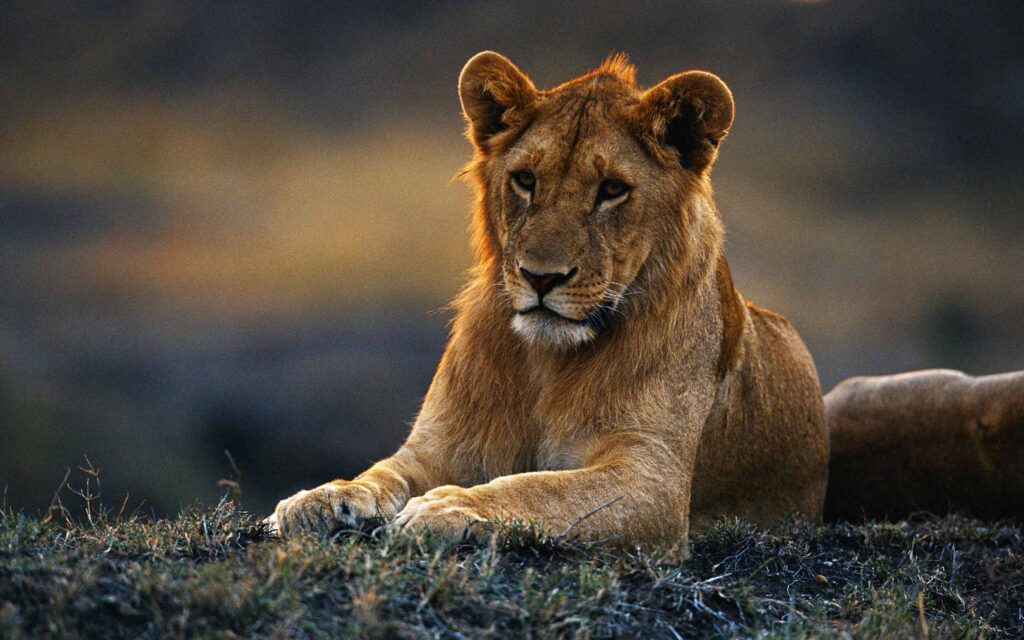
[226, 225]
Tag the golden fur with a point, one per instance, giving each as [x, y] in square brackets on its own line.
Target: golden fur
[644, 392]
[927, 441]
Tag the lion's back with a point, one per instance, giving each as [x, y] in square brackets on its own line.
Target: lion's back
[930, 440]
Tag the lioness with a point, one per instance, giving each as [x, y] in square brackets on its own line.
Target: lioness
[603, 375]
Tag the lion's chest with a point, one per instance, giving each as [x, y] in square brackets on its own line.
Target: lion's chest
[561, 459]
[560, 454]
[566, 425]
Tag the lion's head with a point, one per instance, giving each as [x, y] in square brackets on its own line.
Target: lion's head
[587, 190]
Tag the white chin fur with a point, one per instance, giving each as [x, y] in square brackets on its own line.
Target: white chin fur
[541, 328]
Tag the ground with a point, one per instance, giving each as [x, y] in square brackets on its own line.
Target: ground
[215, 572]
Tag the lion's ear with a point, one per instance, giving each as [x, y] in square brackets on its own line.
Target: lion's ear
[690, 113]
[495, 95]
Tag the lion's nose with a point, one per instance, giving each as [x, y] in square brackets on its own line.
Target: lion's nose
[543, 283]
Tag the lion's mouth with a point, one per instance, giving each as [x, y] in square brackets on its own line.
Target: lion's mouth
[548, 312]
[597, 319]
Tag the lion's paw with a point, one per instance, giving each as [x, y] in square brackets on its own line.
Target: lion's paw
[325, 509]
[448, 511]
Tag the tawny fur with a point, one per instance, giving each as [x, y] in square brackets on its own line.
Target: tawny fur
[927, 441]
[681, 404]
[645, 391]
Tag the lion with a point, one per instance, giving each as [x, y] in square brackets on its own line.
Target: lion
[936, 440]
[603, 377]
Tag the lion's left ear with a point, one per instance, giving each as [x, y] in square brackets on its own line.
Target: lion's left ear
[688, 113]
[495, 95]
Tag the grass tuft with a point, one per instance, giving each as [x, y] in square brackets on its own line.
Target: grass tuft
[217, 572]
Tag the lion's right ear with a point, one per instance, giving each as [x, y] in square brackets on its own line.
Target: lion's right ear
[495, 96]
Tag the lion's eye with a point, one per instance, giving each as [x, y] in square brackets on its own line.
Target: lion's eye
[524, 180]
[611, 190]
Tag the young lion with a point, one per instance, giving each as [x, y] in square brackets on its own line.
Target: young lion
[601, 363]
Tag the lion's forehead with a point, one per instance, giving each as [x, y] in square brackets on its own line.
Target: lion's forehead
[580, 134]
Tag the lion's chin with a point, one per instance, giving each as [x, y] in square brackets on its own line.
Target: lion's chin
[542, 328]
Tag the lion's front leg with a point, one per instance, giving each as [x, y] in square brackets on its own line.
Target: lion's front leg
[629, 500]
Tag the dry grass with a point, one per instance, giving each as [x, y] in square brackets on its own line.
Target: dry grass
[214, 572]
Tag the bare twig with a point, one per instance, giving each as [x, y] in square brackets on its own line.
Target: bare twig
[55, 503]
[572, 526]
[234, 467]
[124, 505]
[86, 493]
[234, 484]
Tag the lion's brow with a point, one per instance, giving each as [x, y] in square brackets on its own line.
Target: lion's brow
[581, 116]
[517, 151]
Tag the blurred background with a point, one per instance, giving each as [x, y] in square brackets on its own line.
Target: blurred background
[205, 211]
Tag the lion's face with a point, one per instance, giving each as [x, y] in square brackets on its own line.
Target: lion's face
[570, 219]
[581, 190]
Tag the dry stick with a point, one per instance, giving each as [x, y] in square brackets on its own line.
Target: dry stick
[56, 498]
[234, 467]
[90, 469]
[86, 494]
[922, 620]
[234, 485]
[585, 516]
[124, 505]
